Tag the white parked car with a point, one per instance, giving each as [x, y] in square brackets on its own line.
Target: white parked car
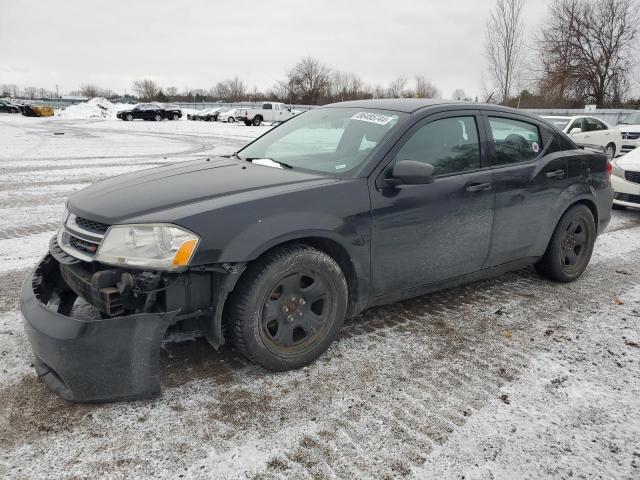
[630, 128]
[269, 112]
[228, 116]
[590, 132]
[625, 180]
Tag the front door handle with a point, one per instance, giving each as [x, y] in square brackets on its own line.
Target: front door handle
[555, 174]
[478, 187]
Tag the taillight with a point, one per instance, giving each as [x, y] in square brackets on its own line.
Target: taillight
[609, 169]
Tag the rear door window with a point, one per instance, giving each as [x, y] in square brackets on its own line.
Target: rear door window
[515, 141]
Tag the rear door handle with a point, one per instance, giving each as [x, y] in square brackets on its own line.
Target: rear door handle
[555, 174]
[478, 187]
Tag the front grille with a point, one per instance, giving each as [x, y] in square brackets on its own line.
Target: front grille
[89, 248]
[627, 197]
[632, 176]
[90, 225]
[81, 237]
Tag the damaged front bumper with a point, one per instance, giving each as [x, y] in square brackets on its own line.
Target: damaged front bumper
[90, 359]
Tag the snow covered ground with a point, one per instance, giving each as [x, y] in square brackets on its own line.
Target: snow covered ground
[509, 378]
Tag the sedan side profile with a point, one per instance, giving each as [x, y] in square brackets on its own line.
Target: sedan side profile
[591, 132]
[339, 209]
[150, 111]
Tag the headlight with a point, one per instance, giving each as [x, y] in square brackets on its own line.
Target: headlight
[164, 247]
[617, 170]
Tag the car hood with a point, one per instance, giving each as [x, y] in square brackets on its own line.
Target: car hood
[629, 128]
[630, 161]
[134, 195]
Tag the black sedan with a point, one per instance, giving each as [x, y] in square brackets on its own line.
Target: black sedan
[9, 106]
[150, 111]
[339, 209]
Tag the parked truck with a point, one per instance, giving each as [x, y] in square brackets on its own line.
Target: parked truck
[270, 112]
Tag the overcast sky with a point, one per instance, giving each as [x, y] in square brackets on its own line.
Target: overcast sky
[196, 43]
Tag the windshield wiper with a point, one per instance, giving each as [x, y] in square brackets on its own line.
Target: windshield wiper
[282, 164]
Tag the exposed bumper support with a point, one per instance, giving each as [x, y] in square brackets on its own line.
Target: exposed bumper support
[92, 360]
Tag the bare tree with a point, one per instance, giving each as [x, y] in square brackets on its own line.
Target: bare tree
[460, 95]
[89, 90]
[348, 86]
[30, 92]
[587, 47]
[310, 81]
[425, 89]
[397, 88]
[146, 89]
[230, 90]
[172, 92]
[504, 45]
[9, 90]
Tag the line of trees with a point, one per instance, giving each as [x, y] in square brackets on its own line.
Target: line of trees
[583, 53]
[309, 82]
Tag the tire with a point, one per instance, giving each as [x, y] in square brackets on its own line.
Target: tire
[247, 123]
[175, 117]
[610, 151]
[157, 117]
[570, 247]
[304, 292]
[129, 118]
[257, 121]
[14, 110]
[231, 120]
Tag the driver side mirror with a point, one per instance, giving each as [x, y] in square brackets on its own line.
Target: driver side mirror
[410, 172]
[575, 131]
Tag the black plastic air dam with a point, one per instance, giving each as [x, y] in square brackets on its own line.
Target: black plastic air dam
[94, 360]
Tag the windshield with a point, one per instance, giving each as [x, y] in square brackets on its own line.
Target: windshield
[326, 140]
[559, 123]
[633, 119]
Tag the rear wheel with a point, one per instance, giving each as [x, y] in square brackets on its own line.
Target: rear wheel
[231, 120]
[570, 247]
[610, 151]
[247, 123]
[157, 117]
[176, 116]
[289, 307]
[257, 121]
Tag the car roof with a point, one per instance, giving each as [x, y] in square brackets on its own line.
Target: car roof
[411, 105]
[559, 117]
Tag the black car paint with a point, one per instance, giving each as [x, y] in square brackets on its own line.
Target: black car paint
[149, 113]
[393, 241]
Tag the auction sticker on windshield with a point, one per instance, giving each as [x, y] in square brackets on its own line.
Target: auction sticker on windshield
[373, 118]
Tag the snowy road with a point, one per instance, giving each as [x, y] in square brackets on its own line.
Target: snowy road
[514, 377]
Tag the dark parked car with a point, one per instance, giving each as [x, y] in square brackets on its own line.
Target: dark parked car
[150, 111]
[339, 209]
[9, 106]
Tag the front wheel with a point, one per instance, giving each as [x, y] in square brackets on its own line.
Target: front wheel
[157, 117]
[129, 118]
[610, 151]
[570, 247]
[257, 121]
[231, 120]
[176, 116]
[288, 307]
[247, 123]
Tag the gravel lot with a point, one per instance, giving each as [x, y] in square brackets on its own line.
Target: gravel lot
[514, 377]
